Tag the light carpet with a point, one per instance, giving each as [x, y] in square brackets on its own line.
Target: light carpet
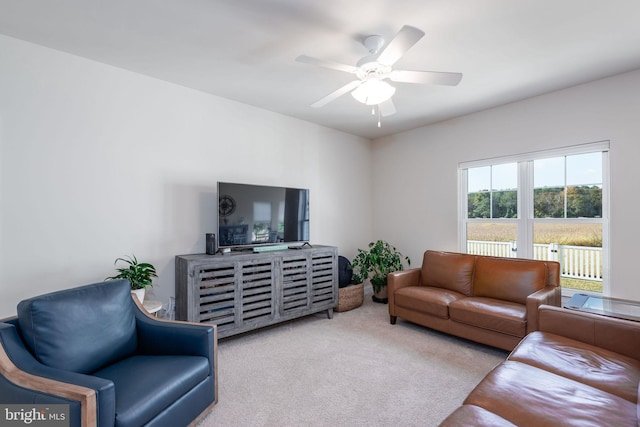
[353, 370]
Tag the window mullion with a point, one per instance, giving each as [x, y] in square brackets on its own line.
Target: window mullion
[463, 209]
[525, 209]
[566, 189]
[491, 191]
[606, 289]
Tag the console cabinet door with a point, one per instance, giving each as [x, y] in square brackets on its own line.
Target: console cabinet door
[324, 279]
[255, 298]
[213, 295]
[296, 287]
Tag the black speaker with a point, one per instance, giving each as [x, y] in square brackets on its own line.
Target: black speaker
[211, 244]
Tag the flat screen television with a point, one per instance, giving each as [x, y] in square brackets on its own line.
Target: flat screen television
[254, 215]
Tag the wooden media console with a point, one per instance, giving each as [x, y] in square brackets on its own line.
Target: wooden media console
[242, 291]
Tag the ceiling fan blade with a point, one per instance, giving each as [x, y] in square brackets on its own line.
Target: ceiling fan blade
[432, 77]
[402, 42]
[338, 93]
[387, 108]
[326, 64]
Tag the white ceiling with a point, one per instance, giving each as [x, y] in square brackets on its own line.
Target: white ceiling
[245, 50]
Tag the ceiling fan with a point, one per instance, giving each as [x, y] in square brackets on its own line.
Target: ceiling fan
[372, 71]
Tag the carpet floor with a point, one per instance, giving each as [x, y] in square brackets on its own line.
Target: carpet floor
[353, 370]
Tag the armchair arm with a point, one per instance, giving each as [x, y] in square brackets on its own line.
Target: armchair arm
[617, 335]
[549, 295]
[398, 280]
[28, 379]
[157, 336]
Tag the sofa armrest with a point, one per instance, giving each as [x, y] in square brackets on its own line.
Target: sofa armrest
[29, 380]
[617, 335]
[398, 280]
[402, 278]
[549, 295]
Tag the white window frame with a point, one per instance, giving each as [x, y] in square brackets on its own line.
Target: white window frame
[525, 219]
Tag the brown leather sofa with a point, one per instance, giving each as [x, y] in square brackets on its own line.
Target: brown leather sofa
[579, 369]
[490, 300]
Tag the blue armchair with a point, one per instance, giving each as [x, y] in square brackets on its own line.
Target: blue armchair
[96, 349]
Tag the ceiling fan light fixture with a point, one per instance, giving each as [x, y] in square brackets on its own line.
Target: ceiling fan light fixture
[373, 92]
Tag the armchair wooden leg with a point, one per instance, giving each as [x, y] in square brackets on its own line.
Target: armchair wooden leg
[392, 319]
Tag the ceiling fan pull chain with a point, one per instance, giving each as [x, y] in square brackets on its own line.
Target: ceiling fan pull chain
[379, 125]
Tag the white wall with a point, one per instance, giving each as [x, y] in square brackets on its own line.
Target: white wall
[98, 162]
[415, 182]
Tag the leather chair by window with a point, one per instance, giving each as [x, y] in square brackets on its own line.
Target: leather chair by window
[96, 349]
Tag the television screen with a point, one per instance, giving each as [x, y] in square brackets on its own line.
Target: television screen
[251, 215]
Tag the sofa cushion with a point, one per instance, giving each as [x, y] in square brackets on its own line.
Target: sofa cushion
[600, 368]
[448, 270]
[80, 329]
[526, 395]
[159, 381]
[425, 299]
[488, 313]
[508, 279]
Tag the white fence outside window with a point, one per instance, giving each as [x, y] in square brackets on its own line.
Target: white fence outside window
[576, 262]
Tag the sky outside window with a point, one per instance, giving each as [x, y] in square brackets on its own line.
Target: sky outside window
[479, 179]
[505, 177]
[582, 169]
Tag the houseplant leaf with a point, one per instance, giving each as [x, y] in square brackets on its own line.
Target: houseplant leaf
[376, 263]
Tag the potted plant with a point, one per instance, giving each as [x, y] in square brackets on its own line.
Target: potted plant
[139, 274]
[375, 264]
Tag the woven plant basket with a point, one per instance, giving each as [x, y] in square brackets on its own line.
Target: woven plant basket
[350, 297]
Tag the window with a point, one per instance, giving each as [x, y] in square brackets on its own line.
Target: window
[493, 191]
[548, 205]
[261, 221]
[568, 186]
